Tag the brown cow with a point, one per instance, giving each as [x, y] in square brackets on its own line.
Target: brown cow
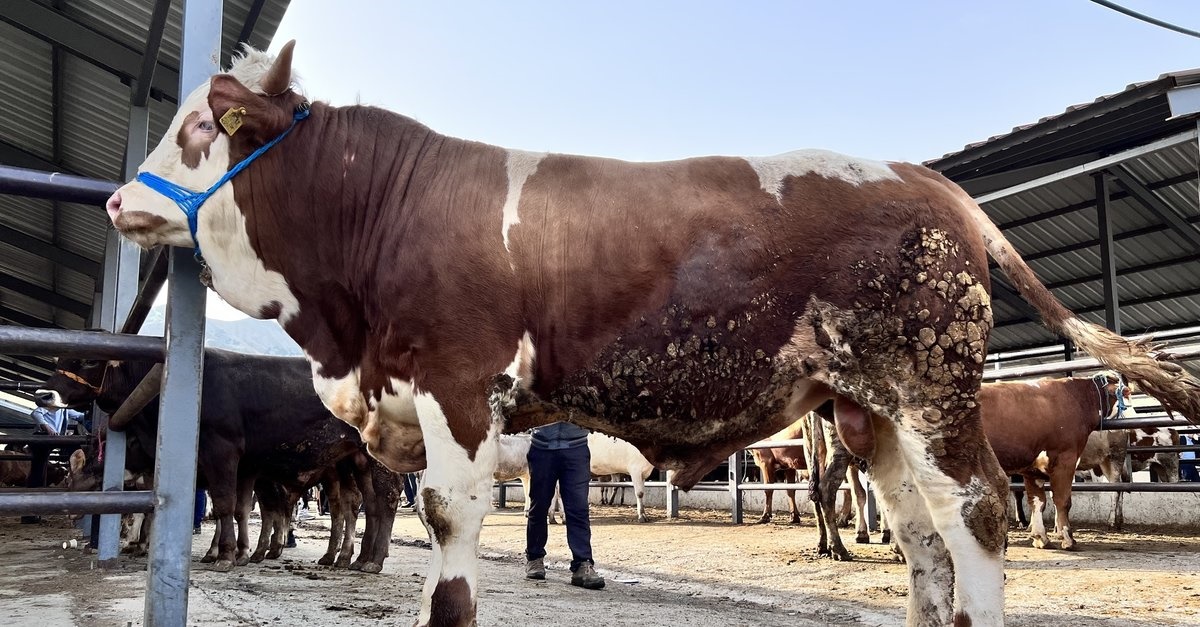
[1038, 429]
[689, 307]
[789, 461]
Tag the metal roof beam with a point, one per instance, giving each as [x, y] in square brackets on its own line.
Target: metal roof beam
[1092, 166]
[26, 320]
[49, 251]
[56, 28]
[50, 297]
[158, 23]
[1000, 180]
[1129, 182]
[1146, 267]
[1003, 292]
[10, 155]
[1145, 300]
[30, 367]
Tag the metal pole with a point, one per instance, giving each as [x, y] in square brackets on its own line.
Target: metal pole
[16, 340]
[672, 496]
[54, 186]
[179, 428]
[176, 450]
[735, 487]
[1108, 266]
[43, 503]
[502, 496]
[122, 261]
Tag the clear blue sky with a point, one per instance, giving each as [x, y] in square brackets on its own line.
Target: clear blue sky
[667, 79]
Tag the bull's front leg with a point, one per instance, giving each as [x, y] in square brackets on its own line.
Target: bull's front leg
[462, 446]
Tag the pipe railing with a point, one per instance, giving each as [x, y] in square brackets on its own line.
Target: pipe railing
[45, 502]
[55, 186]
[82, 344]
[1182, 353]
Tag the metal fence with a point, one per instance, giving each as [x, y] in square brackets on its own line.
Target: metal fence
[736, 485]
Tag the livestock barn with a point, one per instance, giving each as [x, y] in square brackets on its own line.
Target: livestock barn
[1101, 200]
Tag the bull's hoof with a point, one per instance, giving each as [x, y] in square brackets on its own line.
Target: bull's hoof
[1039, 543]
[344, 562]
[765, 518]
[257, 557]
[863, 538]
[898, 554]
[326, 560]
[552, 521]
[840, 554]
[223, 566]
[843, 521]
[208, 559]
[242, 561]
[795, 519]
[274, 553]
[371, 567]
[643, 518]
[887, 537]
[1069, 545]
[823, 551]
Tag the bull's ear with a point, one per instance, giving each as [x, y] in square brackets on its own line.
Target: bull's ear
[244, 113]
[78, 459]
[279, 78]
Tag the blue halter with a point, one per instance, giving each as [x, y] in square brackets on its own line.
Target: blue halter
[189, 201]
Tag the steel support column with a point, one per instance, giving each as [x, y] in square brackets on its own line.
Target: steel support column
[1108, 266]
[122, 260]
[179, 428]
[735, 486]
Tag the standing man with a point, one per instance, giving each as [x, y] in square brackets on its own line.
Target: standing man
[559, 455]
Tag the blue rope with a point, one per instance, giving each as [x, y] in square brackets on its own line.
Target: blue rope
[189, 201]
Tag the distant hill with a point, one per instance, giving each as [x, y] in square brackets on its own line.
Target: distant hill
[260, 337]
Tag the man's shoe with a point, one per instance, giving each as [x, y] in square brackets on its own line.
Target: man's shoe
[586, 577]
[536, 569]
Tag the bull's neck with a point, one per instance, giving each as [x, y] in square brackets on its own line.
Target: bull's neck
[1094, 399]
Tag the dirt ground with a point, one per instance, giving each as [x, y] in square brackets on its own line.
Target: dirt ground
[699, 570]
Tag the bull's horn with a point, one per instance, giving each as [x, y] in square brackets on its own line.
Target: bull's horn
[279, 77]
[139, 398]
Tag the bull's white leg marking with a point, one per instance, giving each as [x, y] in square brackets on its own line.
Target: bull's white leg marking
[831, 165]
[978, 573]
[461, 489]
[521, 367]
[521, 165]
[1037, 524]
[639, 489]
[930, 572]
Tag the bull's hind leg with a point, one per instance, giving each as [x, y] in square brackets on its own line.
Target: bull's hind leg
[789, 476]
[1061, 477]
[930, 572]
[862, 532]
[333, 490]
[1036, 495]
[965, 491]
[462, 447]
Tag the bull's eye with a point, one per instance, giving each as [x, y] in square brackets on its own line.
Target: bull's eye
[206, 126]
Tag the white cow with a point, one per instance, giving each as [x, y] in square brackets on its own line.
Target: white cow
[513, 462]
[613, 456]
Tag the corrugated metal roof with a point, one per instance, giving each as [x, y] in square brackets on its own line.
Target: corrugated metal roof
[1054, 226]
[93, 120]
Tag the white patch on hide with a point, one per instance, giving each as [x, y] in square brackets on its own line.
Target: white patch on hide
[774, 169]
[521, 367]
[521, 165]
[1042, 463]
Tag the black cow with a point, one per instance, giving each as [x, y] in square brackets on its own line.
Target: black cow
[259, 417]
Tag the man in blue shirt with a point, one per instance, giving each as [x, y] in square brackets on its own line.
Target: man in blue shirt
[56, 421]
[558, 454]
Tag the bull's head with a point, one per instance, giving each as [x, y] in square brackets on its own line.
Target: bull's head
[1115, 392]
[75, 382]
[183, 196]
[86, 472]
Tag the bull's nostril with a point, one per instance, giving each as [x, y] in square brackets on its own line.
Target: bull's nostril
[113, 205]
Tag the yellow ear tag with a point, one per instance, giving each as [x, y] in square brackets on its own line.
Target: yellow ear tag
[232, 120]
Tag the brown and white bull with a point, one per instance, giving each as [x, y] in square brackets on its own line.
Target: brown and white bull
[1038, 429]
[689, 307]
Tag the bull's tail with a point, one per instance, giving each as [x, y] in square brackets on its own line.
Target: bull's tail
[1138, 361]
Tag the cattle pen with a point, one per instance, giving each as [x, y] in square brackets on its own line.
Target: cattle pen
[1102, 199]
